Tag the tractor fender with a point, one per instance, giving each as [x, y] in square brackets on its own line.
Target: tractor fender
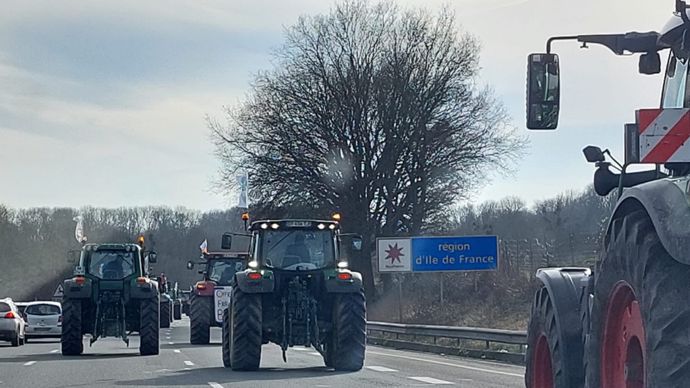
[667, 202]
[335, 285]
[265, 285]
[565, 286]
[143, 291]
[204, 288]
[72, 290]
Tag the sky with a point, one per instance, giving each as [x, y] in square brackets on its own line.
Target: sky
[104, 103]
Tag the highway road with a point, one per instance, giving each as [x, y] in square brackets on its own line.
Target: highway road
[109, 363]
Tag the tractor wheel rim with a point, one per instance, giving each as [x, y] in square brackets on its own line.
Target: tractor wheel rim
[623, 345]
[543, 371]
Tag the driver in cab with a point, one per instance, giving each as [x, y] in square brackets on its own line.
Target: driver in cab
[297, 252]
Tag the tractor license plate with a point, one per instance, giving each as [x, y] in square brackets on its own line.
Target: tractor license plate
[222, 301]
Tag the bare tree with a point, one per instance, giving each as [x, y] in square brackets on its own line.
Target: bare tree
[371, 110]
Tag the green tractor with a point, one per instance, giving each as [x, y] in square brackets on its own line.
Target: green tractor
[296, 291]
[211, 295]
[111, 295]
[625, 322]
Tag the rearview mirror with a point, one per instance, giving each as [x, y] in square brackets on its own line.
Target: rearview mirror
[226, 241]
[190, 265]
[153, 257]
[543, 91]
[593, 154]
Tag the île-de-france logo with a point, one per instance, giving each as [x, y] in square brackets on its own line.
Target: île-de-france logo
[394, 253]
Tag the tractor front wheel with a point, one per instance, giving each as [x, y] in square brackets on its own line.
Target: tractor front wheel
[349, 336]
[165, 314]
[200, 319]
[148, 326]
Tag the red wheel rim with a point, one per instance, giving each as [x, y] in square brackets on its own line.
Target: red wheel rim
[623, 345]
[543, 372]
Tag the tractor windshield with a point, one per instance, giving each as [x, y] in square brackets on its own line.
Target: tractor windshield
[111, 265]
[222, 271]
[297, 250]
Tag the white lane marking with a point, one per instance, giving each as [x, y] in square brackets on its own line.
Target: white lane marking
[498, 372]
[29, 363]
[189, 363]
[381, 368]
[171, 343]
[55, 350]
[315, 353]
[214, 385]
[431, 380]
[301, 349]
[177, 350]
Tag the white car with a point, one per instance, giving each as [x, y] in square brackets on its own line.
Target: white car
[43, 319]
[12, 326]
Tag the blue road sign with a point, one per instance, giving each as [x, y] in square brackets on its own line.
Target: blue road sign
[475, 253]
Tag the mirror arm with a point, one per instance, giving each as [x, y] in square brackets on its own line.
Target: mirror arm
[554, 38]
[634, 42]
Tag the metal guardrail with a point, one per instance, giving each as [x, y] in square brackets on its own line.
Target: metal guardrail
[379, 333]
[469, 333]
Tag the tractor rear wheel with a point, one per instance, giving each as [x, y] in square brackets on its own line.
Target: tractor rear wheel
[165, 314]
[226, 337]
[640, 335]
[177, 311]
[349, 335]
[71, 338]
[200, 320]
[245, 330]
[148, 326]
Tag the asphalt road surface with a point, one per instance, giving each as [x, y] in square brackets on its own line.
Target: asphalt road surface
[109, 363]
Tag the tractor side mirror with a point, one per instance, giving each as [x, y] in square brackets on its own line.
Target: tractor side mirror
[593, 154]
[226, 241]
[357, 243]
[190, 265]
[153, 257]
[543, 91]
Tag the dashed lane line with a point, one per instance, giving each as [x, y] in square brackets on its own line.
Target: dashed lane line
[29, 363]
[55, 350]
[171, 343]
[485, 370]
[431, 380]
[380, 368]
[177, 351]
[189, 363]
[214, 385]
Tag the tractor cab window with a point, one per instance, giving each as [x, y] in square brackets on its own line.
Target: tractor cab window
[111, 265]
[222, 271]
[675, 93]
[297, 250]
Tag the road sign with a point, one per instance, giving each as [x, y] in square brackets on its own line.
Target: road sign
[59, 292]
[429, 254]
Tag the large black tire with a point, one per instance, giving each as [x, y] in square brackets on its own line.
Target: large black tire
[545, 366]
[200, 319]
[177, 311]
[148, 327]
[226, 337]
[635, 255]
[71, 338]
[245, 330]
[165, 314]
[349, 332]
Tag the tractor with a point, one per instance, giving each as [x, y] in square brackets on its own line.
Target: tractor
[211, 295]
[166, 301]
[296, 291]
[111, 295]
[625, 323]
[176, 296]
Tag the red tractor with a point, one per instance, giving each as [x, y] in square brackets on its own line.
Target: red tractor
[211, 295]
[626, 323]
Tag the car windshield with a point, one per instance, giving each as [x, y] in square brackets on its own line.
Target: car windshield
[222, 271]
[43, 309]
[297, 250]
[111, 265]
